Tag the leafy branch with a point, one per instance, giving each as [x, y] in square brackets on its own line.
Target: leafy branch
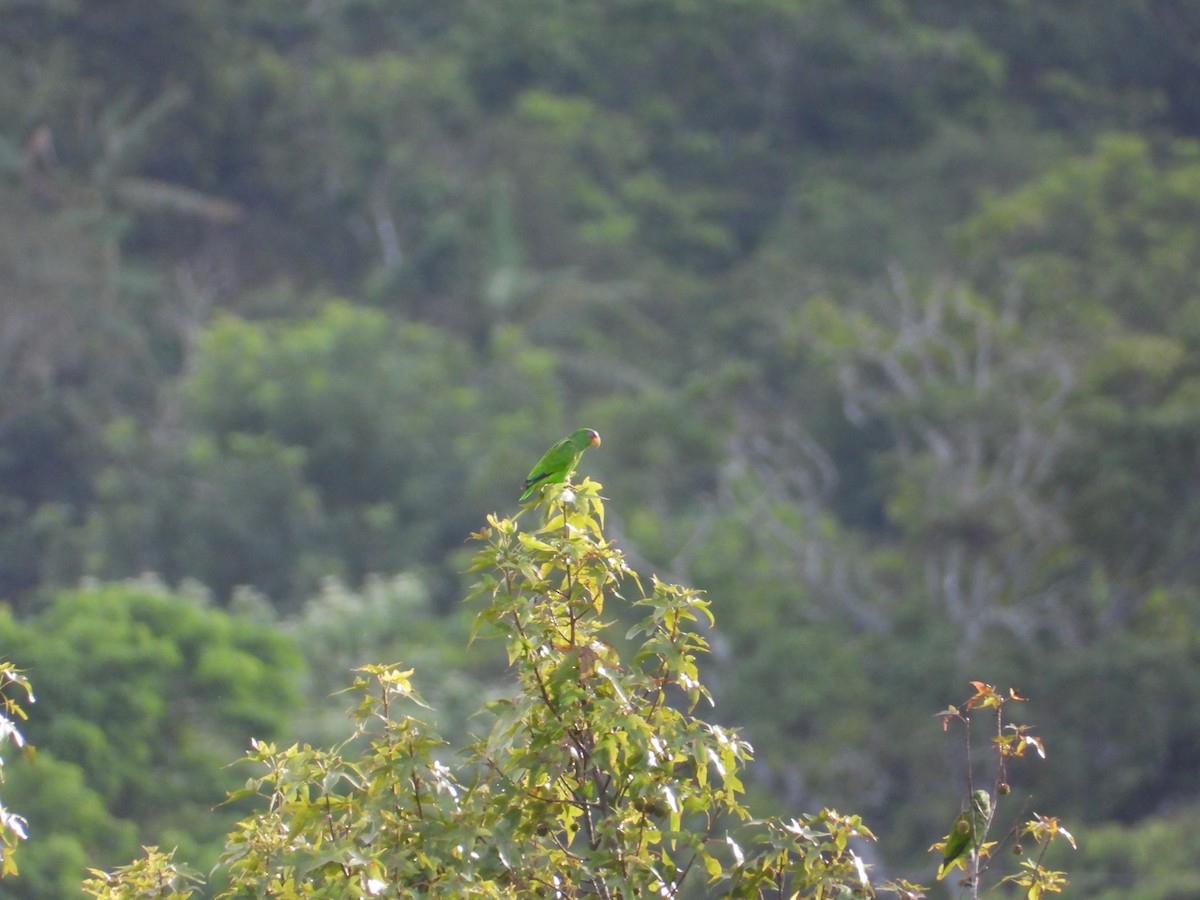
[13, 828]
[966, 846]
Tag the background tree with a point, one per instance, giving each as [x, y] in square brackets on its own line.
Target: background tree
[144, 695]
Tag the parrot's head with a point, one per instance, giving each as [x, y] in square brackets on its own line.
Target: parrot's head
[582, 438]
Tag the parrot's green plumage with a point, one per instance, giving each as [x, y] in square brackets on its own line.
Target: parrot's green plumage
[560, 460]
[967, 834]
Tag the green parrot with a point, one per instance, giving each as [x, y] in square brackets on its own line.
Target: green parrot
[560, 460]
[967, 834]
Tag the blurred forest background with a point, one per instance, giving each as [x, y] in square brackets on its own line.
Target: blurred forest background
[888, 312]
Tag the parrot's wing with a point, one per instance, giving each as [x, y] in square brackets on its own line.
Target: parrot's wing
[555, 462]
[958, 842]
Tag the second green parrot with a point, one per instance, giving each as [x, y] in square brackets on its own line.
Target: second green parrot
[560, 460]
[967, 834]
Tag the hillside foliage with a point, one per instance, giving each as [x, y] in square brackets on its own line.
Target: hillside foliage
[886, 310]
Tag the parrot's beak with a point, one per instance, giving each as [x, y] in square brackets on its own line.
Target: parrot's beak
[595, 441]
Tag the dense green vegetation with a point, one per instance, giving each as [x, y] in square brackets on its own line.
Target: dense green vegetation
[888, 312]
